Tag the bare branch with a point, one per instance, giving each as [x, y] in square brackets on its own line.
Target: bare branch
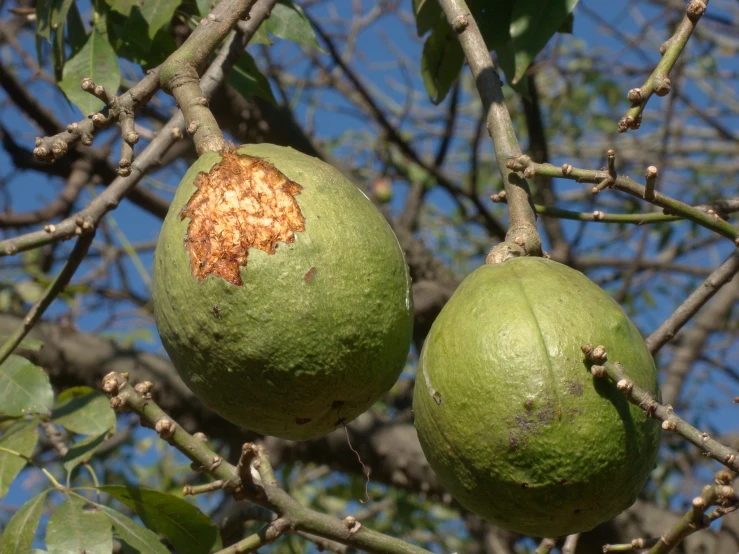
[522, 237]
[659, 82]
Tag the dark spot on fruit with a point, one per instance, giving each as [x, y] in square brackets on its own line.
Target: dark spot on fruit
[564, 482]
[217, 311]
[309, 274]
[302, 420]
[529, 404]
[437, 397]
[524, 485]
[577, 511]
[337, 403]
[513, 442]
[574, 388]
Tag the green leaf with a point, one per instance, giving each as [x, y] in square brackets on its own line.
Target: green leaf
[533, 23]
[83, 410]
[18, 534]
[427, 13]
[289, 22]
[158, 14]
[493, 17]
[261, 36]
[22, 437]
[73, 529]
[122, 6]
[204, 7]
[43, 22]
[24, 387]
[29, 291]
[59, 11]
[130, 38]
[26, 344]
[96, 60]
[184, 525]
[82, 451]
[139, 538]
[441, 61]
[76, 33]
[249, 81]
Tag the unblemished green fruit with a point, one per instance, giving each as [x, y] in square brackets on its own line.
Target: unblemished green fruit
[510, 417]
[280, 292]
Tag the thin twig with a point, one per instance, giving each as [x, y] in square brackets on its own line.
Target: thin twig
[670, 205]
[57, 285]
[671, 422]
[545, 547]
[697, 299]
[570, 544]
[266, 535]
[522, 237]
[151, 155]
[253, 479]
[659, 82]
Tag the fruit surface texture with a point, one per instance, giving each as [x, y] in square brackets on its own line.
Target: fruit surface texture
[280, 292]
[510, 417]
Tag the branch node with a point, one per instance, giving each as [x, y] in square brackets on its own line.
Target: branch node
[695, 9]
[598, 371]
[662, 86]
[635, 96]
[165, 428]
[460, 23]
[669, 425]
[625, 386]
[499, 197]
[597, 355]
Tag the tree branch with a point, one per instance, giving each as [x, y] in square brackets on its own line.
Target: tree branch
[666, 414]
[522, 237]
[261, 488]
[659, 82]
[685, 312]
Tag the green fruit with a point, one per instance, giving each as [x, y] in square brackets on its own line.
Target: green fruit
[280, 292]
[510, 417]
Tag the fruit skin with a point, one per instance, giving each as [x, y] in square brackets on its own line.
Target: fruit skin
[294, 351]
[524, 435]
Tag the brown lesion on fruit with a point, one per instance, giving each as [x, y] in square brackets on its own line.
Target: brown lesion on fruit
[243, 202]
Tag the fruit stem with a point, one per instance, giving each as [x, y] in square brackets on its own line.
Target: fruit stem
[522, 238]
[180, 74]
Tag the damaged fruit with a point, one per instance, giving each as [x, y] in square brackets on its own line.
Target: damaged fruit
[510, 417]
[280, 292]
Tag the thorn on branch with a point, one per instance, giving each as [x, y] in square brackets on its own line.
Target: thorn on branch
[651, 176]
[192, 490]
[611, 161]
